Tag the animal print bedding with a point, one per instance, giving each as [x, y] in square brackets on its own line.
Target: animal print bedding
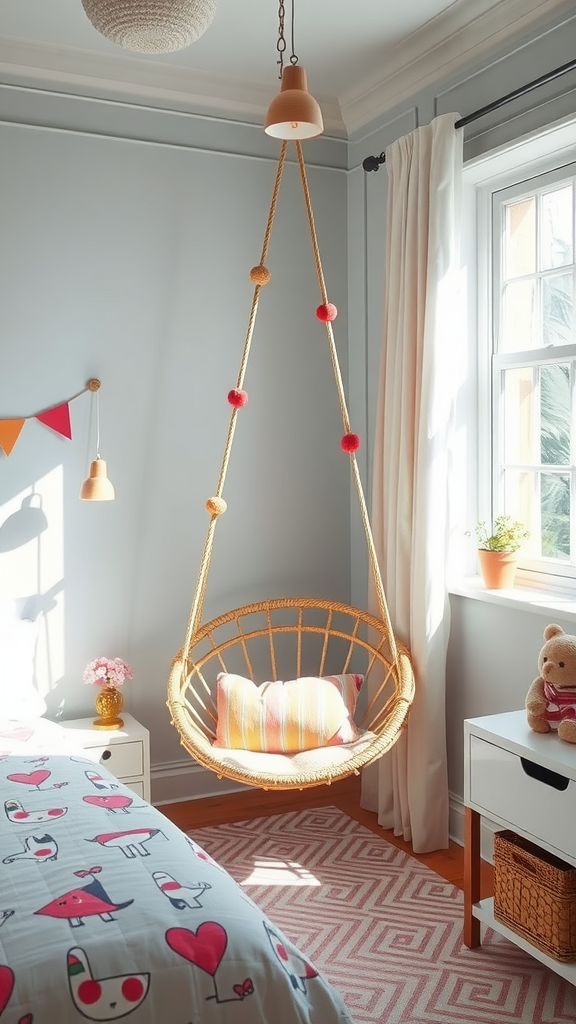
[107, 910]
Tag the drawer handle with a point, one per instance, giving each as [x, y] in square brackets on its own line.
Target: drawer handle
[546, 775]
[106, 755]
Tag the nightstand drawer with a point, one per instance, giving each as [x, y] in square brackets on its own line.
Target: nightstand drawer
[523, 794]
[137, 786]
[124, 760]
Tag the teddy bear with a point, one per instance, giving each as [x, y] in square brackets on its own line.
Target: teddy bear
[551, 699]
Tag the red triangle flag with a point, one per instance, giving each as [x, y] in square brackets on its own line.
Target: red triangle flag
[58, 418]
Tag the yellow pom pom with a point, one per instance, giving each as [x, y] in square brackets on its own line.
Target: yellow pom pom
[216, 506]
[260, 275]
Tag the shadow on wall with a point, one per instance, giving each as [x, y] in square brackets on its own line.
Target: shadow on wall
[23, 626]
[24, 525]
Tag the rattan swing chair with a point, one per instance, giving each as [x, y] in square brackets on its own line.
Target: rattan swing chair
[316, 637]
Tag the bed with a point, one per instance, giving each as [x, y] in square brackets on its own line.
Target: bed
[108, 910]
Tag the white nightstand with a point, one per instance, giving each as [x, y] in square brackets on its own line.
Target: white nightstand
[523, 781]
[124, 752]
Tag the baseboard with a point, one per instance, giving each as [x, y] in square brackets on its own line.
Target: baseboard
[175, 781]
[456, 828]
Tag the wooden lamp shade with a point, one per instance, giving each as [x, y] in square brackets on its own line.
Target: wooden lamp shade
[97, 487]
[294, 113]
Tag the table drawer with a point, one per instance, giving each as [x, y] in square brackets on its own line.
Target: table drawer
[137, 786]
[523, 794]
[124, 760]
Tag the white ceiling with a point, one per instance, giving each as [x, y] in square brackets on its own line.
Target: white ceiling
[353, 50]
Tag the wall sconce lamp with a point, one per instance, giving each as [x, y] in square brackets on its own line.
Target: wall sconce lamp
[293, 113]
[97, 486]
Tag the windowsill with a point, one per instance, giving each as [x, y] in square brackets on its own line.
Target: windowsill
[524, 598]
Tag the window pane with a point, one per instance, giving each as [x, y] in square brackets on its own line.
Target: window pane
[518, 317]
[520, 238]
[557, 309]
[542, 501]
[521, 500]
[554, 415]
[555, 505]
[556, 245]
[519, 432]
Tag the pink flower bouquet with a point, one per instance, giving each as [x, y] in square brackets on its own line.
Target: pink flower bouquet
[107, 672]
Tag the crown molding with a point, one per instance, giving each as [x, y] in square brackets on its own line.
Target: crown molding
[454, 40]
[141, 81]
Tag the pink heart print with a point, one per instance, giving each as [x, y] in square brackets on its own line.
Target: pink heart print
[6, 986]
[245, 989]
[204, 948]
[32, 778]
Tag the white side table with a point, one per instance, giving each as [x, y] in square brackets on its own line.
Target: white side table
[124, 752]
[523, 781]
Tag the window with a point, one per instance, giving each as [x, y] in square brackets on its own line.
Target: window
[533, 362]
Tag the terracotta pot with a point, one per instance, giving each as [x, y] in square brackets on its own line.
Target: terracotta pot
[498, 568]
[109, 703]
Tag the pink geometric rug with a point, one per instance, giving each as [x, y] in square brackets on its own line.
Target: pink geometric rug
[383, 928]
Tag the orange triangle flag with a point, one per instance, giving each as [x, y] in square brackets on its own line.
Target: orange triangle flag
[9, 433]
[57, 418]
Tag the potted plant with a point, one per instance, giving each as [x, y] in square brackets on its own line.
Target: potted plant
[497, 547]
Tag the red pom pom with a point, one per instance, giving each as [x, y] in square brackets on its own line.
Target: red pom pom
[237, 398]
[327, 312]
[350, 443]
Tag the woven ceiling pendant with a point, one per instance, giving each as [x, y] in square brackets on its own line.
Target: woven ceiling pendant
[151, 26]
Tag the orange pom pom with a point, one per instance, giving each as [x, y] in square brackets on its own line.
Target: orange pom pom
[260, 275]
[216, 506]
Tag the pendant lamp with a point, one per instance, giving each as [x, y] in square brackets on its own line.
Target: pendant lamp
[151, 26]
[97, 486]
[293, 113]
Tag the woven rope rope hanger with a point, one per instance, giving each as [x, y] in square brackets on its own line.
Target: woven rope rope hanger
[365, 643]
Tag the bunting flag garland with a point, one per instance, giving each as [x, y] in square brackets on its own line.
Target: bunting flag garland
[9, 434]
[57, 417]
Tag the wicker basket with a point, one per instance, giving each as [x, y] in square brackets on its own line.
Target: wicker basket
[535, 895]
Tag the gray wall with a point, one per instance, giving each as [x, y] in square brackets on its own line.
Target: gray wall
[126, 239]
[494, 647]
[128, 259]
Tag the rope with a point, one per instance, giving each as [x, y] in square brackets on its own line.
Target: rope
[195, 617]
[384, 613]
[200, 591]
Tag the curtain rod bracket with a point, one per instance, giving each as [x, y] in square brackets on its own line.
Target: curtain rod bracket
[372, 163]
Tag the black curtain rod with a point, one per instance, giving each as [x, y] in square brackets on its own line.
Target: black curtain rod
[372, 163]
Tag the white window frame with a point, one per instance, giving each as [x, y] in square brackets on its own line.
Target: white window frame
[531, 569]
[550, 154]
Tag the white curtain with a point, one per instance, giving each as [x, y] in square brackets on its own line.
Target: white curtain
[408, 787]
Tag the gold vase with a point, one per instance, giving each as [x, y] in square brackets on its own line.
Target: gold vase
[109, 703]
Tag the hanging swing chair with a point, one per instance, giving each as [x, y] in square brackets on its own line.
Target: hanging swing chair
[319, 639]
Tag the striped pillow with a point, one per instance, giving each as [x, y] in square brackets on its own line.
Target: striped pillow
[286, 717]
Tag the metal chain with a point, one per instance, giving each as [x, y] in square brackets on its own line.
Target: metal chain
[293, 57]
[281, 44]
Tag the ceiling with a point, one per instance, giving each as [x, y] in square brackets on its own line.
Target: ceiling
[352, 51]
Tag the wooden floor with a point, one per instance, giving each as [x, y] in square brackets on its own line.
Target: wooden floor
[345, 795]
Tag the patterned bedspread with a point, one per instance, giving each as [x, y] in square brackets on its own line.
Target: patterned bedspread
[108, 910]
